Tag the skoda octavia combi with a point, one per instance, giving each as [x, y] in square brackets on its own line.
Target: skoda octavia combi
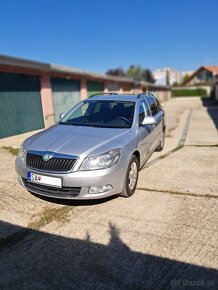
[96, 149]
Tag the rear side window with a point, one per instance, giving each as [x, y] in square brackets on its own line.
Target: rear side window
[153, 106]
[158, 104]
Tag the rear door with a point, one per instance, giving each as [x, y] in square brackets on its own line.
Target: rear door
[158, 114]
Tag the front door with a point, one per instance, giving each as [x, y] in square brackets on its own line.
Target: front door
[146, 132]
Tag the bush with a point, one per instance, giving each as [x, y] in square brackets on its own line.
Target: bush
[189, 92]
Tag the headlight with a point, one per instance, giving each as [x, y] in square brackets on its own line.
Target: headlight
[22, 153]
[105, 160]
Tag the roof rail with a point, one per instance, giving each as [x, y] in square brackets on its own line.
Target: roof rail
[144, 94]
[99, 94]
[140, 95]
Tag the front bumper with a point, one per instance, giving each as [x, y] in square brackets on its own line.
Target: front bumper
[80, 179]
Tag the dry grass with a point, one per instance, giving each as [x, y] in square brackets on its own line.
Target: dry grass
[50, 214]
[12, 150]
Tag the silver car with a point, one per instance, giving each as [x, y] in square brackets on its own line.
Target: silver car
[95, 150]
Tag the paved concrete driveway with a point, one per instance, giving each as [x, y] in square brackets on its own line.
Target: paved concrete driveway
[164, 237]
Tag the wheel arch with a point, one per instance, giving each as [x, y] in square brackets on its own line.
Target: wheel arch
[137, 154]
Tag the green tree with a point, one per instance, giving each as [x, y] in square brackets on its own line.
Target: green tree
[116, 72]
[185, 78]
[148, 76]
[135, 72]
[175, 84]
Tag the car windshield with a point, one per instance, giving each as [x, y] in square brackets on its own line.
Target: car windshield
[100, 113]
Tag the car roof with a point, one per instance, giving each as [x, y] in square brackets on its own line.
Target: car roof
[118, 97]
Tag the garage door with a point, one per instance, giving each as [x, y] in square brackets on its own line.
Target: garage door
[20, 104]
[113, 87]
[94, 88]
[66, 94]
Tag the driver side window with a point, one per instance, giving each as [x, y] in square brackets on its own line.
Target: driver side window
[143, 111]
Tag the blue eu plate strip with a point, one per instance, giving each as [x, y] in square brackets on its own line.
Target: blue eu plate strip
[28, 175]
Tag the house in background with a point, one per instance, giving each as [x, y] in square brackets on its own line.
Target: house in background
[206, 77]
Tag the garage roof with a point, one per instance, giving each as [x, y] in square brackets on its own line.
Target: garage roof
[10, 62]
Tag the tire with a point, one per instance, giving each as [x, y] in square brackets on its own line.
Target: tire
[129, 186]
[162, 141]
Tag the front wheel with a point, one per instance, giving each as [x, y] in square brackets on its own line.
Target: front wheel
[131, 178]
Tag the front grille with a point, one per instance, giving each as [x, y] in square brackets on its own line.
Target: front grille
[57, 192]
[53, 164]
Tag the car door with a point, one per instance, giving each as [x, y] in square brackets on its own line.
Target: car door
[158, 114]
[146, 132]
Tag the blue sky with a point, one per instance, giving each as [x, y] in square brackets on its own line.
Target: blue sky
[102, 34]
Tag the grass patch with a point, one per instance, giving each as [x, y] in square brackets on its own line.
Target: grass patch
[12, 150]
[47, 216]
[51, 214]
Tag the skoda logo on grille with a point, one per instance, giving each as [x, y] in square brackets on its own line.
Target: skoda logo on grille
[46, 157]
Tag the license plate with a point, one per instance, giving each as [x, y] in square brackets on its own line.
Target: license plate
[45, 180]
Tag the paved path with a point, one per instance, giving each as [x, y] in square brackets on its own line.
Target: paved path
[163, 237]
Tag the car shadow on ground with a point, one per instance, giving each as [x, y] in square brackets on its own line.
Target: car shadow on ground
[212, 109]
[40, 260]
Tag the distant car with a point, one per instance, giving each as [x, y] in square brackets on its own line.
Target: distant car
[95, 150]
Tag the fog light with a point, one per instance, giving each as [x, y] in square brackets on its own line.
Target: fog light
[100, 189]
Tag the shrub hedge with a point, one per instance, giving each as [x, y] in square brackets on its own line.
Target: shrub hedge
[189, 92]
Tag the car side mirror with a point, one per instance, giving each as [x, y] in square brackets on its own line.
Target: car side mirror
[61, 115]
[148, 121]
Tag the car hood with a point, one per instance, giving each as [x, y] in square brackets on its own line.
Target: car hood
[75, 140]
